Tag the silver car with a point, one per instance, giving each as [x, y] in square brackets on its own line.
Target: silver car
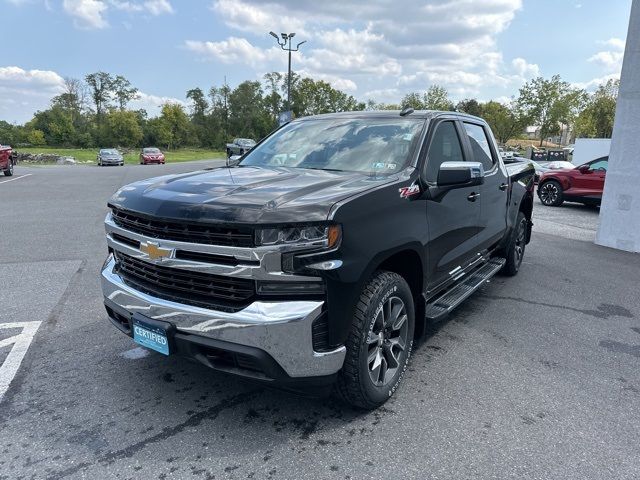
[109, 156]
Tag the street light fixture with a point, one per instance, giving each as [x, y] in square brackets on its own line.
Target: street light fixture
[286, 45]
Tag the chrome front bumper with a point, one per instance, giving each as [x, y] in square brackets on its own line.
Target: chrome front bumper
[283, 329]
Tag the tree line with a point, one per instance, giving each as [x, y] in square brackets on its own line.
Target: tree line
[94, 112]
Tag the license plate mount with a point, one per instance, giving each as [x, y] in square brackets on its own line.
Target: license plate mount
[153, 334]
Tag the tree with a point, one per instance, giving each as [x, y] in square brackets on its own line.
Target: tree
[73, 99]
[199, 105]
[549, 104]
[122, 128]
[36, 137]
[596, 120]
[505, 121]
[435, 98]
[56, 126]
[470, 106]
[123, 91]
[413, 100]
[172, 128]
[101, 85]
[312, 97]
[247, 115]
[274, 100]
[9, 134]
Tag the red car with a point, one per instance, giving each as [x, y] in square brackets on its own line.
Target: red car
[151, 155]
[6, 160]
[583, 184]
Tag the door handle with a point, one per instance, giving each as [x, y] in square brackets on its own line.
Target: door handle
[472, 196]
[503, 186]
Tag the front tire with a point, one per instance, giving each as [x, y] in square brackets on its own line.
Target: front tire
[9, 171]
[550, 193]
[379, 343]
[517, 244]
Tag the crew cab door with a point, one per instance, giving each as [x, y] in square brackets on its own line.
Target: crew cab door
[452, 220]
[494, 191]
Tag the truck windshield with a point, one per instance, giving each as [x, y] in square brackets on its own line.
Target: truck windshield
[352, 145]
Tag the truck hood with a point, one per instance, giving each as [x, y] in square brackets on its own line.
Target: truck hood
[245, 194]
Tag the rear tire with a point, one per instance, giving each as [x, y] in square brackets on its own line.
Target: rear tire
[516, 246]
[379, 343]
[550, 193]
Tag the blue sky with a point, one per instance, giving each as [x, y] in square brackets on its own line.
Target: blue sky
[377, 49]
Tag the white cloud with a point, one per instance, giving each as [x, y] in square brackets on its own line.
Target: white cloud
[152, 103]
[524, 69]
[154, 7]
[125, 6]
[87, 14]
[23, 92]
[234, 50]
[91, 14]
[158, 7]
[596, 82]
[246, 17]
[610, 60]
[376, 45]
[616, 43]
[13, 76]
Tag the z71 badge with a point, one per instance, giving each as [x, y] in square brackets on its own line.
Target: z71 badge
[406, 192]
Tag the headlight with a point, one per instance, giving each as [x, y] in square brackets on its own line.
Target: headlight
[327, 236]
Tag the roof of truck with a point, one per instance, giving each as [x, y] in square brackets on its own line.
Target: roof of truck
[425, 114]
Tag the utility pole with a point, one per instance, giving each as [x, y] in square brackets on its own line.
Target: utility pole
[285, 44]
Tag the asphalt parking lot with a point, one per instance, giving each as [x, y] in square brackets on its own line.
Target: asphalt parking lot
[534, 377]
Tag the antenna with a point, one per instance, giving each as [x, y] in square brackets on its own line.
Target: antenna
[406, 111]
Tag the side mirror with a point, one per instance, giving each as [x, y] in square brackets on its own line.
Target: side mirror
[460, 174]
[584, 169]
[233, 160]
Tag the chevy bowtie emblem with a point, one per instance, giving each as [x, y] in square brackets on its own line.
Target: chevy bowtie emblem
[154, 250]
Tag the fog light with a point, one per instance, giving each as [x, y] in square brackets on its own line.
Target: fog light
[291, 288]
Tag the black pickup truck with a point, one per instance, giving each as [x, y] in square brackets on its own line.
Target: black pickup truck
[318, 260]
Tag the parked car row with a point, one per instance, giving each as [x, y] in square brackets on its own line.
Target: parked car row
[542, 166]
[112, 156]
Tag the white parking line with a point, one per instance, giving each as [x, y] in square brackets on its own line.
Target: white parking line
[17, 178]
[21, 344]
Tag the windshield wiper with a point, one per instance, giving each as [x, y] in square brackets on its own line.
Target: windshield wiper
[326, 169]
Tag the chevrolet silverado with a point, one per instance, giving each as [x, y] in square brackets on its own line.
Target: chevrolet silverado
[316, 262]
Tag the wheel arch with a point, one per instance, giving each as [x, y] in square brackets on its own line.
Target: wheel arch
[406, 261]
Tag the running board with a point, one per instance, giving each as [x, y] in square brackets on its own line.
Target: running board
[453, 297]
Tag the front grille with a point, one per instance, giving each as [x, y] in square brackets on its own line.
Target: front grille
[183, 286]
[192, 232]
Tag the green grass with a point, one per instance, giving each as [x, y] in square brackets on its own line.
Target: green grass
[88, 155]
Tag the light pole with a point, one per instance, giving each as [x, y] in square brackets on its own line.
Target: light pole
[285, 44]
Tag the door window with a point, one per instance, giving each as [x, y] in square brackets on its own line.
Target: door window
[445, 147]
[479, 145]
[599, 165]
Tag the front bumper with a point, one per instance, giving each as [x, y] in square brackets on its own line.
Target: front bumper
[282, 330]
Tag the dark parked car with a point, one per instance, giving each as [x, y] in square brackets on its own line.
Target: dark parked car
[151, 155]
[240, 146]
[583, 184]
[318, 260]
[109, 156]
